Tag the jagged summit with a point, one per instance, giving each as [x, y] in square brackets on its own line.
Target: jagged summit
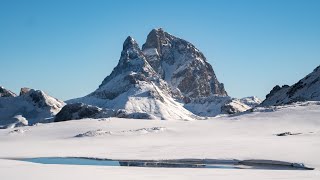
[135, 87]
[160, 79]
[130, 43]
[131, 68]
[131, 61]
[155, 39]
[6, 93]
[182, 65]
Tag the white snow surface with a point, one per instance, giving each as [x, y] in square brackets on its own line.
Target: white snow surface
[248, 136]
[144, 98]
[251, 101]
[213, 105]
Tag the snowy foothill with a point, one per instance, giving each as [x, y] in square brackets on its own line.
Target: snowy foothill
[247, 136]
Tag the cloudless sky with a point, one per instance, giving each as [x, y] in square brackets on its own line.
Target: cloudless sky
[67, 47]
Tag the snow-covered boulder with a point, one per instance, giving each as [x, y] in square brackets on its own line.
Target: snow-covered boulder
[215, 105]
[16, 121]
[251, 101]
[81, 111]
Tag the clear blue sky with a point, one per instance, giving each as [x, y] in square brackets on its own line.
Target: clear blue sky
[67, 47]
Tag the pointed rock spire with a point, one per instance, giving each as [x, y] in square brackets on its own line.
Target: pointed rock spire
[130, 43]
[132, 60]
[6, 93]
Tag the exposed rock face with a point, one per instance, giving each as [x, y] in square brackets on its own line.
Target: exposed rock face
[131, 69]
[81, 111]
[307, 89]
[32, 106]
[181, 65]
[24, 91]
[158, 81]
[6, 93]
[135, 87]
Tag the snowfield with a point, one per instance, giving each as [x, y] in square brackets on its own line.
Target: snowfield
[247, 136]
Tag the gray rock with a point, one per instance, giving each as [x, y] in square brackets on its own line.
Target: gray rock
[24, 91]
[80, 111]
[306, 89]
[6, 93]
[181, 65]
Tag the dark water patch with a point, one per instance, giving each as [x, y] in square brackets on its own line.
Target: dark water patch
[174, 163]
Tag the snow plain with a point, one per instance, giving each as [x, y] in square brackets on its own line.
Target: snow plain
[247, 136]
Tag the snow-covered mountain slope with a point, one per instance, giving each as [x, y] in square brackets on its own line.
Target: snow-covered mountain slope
[159, 80]
[32, 106]
[135, 87]
[181, 65]
[6, 93]
[251, 101]
[307, 89]
[248, 136]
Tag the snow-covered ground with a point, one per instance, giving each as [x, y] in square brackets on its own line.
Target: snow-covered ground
[249, 136]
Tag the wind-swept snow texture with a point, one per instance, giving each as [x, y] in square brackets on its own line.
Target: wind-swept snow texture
[247, 136]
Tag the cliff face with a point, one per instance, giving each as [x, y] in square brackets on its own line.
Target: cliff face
[164, 79]
[181, 65]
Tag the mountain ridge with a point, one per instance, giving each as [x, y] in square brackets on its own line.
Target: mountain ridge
[160, 79]
[306, 89]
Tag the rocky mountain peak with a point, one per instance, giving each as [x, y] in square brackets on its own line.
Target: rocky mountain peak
[131, 63]
[40, 99]
[182, 65]
[6, 93]
[130, 43]
[24, 91]
[157, 79]
[155, 39]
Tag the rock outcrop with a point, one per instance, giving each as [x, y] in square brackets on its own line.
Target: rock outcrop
[6, 93]
[307, 89]
[81, 111]
[32, 106]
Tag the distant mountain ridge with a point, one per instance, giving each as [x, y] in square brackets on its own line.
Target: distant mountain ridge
[306, 89]
[30, 107]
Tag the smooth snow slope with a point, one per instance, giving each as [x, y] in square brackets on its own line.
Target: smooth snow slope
[249, 136]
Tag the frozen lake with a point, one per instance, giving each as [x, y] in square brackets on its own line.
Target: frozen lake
[174, 163]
